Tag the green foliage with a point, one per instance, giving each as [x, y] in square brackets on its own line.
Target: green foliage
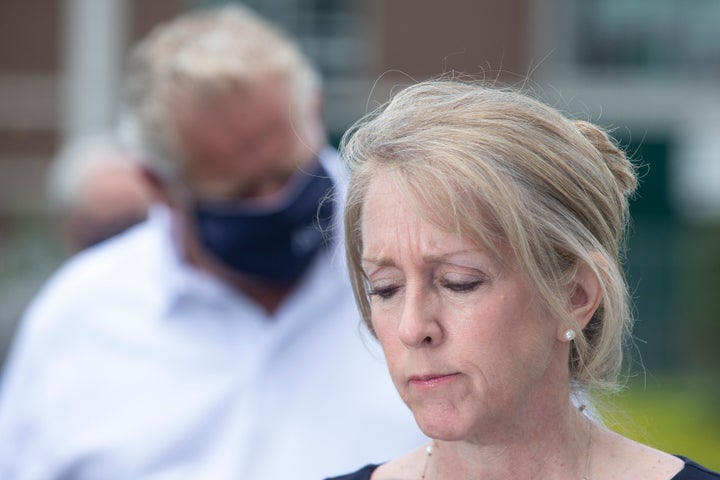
[699, 292]
[678, 415]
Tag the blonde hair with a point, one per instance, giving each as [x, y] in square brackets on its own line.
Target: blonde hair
[209, 54]
[506, 171]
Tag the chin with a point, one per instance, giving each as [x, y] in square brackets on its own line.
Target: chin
[442, 425]
[444, 433]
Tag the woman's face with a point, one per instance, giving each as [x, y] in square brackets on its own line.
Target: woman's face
[467, 344]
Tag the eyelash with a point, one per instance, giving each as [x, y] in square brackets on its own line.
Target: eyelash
[383, 292]
[467, 287]
[464, 287]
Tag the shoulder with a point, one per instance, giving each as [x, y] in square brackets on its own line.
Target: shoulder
[406, 466]
[127, 250]
[363, 474]
[125, 257]
[116, 272]
[637, 460]
[111, 255]
[410, 465]
[694, 471]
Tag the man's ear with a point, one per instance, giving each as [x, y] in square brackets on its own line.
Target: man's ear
[159, 189]
[585, 295]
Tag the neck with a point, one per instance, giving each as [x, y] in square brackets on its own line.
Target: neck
[268, 296]
[553, 446]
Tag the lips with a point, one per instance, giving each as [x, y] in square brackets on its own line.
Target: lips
[428, 382]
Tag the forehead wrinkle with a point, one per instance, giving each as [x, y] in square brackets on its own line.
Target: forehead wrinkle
[390, 233]
[405, 235]
[430, 258]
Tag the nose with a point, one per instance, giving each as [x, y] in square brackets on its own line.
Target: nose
[419, 322]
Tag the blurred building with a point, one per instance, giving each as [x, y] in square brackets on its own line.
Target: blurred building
[60, 62]
[648, 66]
[649, 69]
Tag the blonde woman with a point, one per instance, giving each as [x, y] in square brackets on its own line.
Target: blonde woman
[484, 235]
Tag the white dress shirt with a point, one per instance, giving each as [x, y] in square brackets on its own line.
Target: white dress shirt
[131, 364]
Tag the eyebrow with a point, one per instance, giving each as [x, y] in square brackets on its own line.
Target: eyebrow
[385, 262]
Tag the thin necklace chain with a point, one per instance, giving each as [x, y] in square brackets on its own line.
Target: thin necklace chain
[586, 476]
[429, 449]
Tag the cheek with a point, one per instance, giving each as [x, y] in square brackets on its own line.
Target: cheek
[484, 325]
[393, 349]
[511, 315]
[388, 338]
[504, 332]
[526, 342]
[384, 317]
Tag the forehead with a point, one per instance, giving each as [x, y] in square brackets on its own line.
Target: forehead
[397, 192]
[390, 213]
[241, 137]
[394, 205]
[242, 111]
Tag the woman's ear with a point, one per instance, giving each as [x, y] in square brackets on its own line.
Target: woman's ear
[585, 295]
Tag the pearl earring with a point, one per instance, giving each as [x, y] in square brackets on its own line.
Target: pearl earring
[569, 335]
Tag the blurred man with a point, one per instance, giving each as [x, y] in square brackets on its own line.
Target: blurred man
[218, 340]
[97, 190]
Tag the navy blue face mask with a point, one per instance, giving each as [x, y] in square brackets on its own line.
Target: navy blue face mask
[274, 244]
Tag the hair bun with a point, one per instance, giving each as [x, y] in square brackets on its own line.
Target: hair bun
[615, 158]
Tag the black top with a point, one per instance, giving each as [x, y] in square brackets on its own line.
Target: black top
[362, 474]
[692, 471]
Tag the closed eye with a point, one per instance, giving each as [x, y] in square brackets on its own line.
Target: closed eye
[463, 287]
[384, 292]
